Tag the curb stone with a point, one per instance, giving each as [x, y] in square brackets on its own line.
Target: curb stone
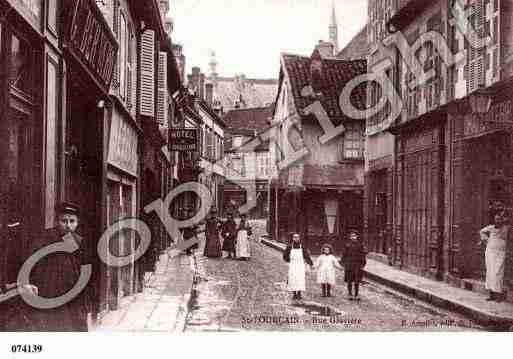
[488, 320]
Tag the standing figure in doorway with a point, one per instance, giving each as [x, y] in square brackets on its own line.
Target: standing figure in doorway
[213, 242]
[353, 259]
[298, 257]
[243, 249]
[56, 274]
[229, 233]
[495, 237]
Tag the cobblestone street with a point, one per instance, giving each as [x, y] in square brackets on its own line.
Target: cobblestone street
[236, 295]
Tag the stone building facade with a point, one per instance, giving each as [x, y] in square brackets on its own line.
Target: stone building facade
[444, 161]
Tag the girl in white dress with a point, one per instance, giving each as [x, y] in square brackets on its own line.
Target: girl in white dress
[297, 257]
[325, 265]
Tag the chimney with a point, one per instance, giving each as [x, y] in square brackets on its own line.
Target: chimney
[326, 49]
[201, 86]
[164, 8]
[209, 94]
[195, 81]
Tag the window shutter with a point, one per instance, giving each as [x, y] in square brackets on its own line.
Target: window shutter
[162, 104]
[476, 66]
[130, 72]
[147, 73]
[115, 26]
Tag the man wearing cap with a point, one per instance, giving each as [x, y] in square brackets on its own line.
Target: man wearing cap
[57, 273]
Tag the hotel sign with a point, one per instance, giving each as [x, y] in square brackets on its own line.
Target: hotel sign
[92, 42]
[183, 140]
[498, 118]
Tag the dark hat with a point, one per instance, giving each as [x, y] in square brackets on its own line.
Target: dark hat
[67, 208]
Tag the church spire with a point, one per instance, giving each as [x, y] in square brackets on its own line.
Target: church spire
[333, 29]
[213, 66]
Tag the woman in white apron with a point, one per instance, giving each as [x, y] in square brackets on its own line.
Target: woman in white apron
[242, 247]
[495, 237]
[297, 257]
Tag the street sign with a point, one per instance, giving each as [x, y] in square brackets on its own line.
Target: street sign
[183, 139]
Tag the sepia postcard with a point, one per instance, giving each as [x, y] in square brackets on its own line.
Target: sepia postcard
[181, 166]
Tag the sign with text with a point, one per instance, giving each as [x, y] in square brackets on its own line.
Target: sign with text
[123, 145]
[498, 118]
[183, 140]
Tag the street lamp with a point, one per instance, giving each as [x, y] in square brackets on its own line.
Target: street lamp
[480, 100]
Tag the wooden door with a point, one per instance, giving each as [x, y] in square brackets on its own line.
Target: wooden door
[421, 193]
[482, 181]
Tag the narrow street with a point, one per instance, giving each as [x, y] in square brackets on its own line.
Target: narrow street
[236, 296]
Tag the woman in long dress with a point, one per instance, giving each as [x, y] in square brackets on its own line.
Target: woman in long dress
[213, 242]
[242, 247]
[297, 257]
[495, 237]
[229, 234]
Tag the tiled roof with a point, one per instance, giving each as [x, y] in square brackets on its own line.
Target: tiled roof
[254, 92]
[357, 48]
[253, 119]
[330, 81]
[247, 122]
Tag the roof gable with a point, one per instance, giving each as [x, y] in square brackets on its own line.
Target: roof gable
[329, 82]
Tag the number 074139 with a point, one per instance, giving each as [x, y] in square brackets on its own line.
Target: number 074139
[26, 348]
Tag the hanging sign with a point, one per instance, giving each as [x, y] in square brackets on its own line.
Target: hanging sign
[183, 140]
[498, 118]
[123, 146]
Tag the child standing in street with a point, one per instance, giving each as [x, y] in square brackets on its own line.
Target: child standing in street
[353, 260]
[298, 258]
[325, 266]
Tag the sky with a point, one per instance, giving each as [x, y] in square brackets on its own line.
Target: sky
[249, 35]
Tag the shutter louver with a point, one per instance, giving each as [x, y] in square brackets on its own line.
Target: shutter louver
[147, 73]
[162, 95]
[115, 26]
[476, 69]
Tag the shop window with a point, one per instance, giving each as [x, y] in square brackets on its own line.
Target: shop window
[352, 144]
[237, 163]
[21, 66]
[317, 225]
[262, 164]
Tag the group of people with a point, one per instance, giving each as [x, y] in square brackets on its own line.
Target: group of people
[223, 236]
[352, 262]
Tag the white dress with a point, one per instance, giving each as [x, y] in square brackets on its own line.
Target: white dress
[495, 256]
[325, 265]
[242, 248]
[297, 271]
